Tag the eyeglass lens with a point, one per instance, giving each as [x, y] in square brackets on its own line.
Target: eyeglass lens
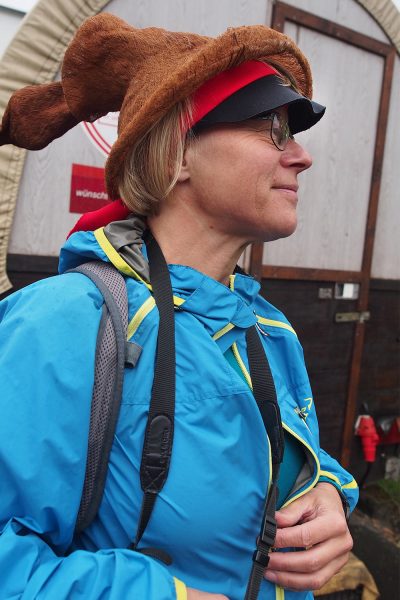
[280, 132]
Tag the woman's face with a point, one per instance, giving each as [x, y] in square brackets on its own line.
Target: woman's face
[241, 184]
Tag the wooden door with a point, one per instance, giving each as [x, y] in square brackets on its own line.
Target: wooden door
[338, 212]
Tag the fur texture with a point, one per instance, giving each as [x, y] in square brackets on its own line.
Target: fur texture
[111, 66]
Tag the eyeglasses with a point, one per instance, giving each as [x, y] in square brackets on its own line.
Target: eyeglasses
[280, 130]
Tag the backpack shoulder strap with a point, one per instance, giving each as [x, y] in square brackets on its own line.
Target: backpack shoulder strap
[108, 382]
[112, 353]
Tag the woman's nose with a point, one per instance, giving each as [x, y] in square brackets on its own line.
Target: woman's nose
[295, 155]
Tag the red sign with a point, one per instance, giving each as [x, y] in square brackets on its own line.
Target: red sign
[88, 191]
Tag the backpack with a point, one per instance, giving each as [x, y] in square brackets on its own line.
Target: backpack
[113, 354]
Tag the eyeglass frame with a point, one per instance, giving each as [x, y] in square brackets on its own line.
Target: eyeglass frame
[271, 115]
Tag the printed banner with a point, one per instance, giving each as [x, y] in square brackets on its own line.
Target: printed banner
[88, 191]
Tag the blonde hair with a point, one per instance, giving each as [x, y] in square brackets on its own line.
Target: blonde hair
[152, 169]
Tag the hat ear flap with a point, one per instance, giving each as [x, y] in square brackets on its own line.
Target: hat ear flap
[36, 115]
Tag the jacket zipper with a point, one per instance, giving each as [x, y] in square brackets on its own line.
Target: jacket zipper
[302, 417]
[247, 377]
[313, 481]
[280, 592]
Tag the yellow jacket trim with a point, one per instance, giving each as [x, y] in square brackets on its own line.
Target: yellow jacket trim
[331, 476]
[293, 433]
[141, 314]
[352, 485]
[116, 258]
[229, 326]
[242, 365]
[246, 375]
[273, 323]
[178, 301]
[279, 593]
[222, 331]
[122, 266]
[180, 589]
[318, 473]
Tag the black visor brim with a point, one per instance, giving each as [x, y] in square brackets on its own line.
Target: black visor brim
[263, 95]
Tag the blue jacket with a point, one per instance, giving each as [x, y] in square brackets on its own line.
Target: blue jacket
[208, 513]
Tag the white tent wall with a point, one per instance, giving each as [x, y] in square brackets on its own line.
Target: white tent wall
[334, 196]
[33, 57]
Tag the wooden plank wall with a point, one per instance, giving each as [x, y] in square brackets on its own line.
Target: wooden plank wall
[327, 347]
[334, 193]
[343, 12]
[380, 374]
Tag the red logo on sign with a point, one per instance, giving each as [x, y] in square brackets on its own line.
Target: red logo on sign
[88, 191]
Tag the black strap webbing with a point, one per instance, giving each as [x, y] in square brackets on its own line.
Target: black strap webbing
[157, 447]
[264, 393]
[265, 396]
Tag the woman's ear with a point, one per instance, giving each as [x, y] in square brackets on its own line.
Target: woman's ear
[184, 172]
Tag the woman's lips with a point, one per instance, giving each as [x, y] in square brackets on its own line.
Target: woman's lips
[290, 190]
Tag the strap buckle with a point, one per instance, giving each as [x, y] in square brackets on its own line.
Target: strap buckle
[261, 555]
[265, 541]
[268, 531]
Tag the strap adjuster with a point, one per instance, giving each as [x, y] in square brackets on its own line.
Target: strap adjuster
[268, 532]
[261, 557]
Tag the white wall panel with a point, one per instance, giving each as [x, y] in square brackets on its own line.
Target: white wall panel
[42, 218]
[334, 193]
[343, 12]
[206, 17]
[386, 257]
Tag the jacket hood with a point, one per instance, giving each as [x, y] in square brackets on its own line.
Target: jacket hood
[125, 237]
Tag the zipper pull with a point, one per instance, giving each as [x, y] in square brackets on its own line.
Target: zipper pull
[298, 412]
[302, 416]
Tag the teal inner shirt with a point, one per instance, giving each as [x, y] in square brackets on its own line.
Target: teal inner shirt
[293, 456]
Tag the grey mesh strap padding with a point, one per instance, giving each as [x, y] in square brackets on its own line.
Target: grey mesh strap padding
[108, 382]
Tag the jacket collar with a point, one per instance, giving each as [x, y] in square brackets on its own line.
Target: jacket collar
[212, 303]
[216, 306]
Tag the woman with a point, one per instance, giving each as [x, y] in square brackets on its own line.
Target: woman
[207, 163]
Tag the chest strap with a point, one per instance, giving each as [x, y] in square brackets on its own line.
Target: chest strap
[158, 439]
[265, 396]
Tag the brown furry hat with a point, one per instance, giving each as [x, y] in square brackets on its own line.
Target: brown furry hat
[111, 66]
